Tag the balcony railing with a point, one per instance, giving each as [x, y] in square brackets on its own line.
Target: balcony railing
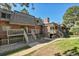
[4, 19]
[15, 32]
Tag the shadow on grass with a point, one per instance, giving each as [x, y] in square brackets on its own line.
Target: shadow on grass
[71, 52]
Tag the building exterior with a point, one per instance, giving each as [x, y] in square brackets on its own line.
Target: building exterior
[18, 20]
[14, 24]
[46, 27]
[22, 27]
[53, 29]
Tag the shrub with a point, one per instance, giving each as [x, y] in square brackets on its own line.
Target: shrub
[75, 30]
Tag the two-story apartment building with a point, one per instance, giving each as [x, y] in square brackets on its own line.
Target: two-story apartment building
[18, 20]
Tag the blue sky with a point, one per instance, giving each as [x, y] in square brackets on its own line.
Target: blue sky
[54, 11]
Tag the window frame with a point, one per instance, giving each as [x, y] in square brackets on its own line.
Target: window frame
[7, 16]
[2, 15]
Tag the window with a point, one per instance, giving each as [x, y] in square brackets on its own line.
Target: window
[29, 30]
[3, 15]
[51, 28]
[8, 16]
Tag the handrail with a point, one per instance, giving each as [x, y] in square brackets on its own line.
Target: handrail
[16, 32]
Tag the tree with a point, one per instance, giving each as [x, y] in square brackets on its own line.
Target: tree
[8, 6]
[75, 28]
[71, 15]
[24, 11]
[25, 4]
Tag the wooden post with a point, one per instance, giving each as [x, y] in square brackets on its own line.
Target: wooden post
[26, 37]
[7, 37]
[33, 34]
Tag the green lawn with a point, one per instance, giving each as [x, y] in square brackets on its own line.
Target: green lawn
[67, 46]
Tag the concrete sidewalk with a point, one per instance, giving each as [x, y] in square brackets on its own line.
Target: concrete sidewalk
[27, 51]
[36, 47]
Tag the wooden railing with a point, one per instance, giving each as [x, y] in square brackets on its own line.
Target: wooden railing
[17, 34]
[15, 31]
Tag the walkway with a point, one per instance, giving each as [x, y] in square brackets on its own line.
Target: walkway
[27, 51]
[11, 47]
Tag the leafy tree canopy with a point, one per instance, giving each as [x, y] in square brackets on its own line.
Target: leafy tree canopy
[71, 15]
[8, 6]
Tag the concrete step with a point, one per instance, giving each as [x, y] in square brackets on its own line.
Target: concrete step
[11, 47]
[46, 38]
[33, 44]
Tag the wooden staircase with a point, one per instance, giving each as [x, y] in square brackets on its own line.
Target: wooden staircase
[17, 34]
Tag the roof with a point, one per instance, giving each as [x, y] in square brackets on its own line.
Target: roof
[53, 24]
[24, 11]
[39, 21]
[24, 19]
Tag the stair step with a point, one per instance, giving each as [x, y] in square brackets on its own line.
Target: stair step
[33, 44]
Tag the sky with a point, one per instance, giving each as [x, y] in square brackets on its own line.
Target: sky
[54, 11]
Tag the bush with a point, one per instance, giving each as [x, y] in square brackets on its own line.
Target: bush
[75, 30]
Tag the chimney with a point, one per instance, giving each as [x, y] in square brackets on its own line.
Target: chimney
[46, 21]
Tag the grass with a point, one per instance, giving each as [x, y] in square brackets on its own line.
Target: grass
[59, 46]
[14, 51]
[66, 44]
[74, 35]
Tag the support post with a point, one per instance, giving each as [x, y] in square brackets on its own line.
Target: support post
[7, 37]
[26, 37]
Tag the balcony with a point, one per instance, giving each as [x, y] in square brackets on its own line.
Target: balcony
[3, 34]
[15, 32]
[3, 19]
